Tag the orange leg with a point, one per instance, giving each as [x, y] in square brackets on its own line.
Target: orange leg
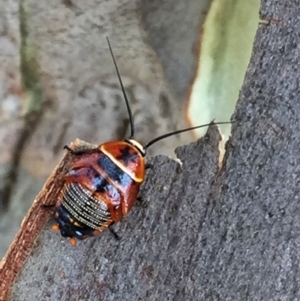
[55, 227]
[73, 241]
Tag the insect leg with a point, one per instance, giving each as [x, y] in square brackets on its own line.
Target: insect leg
[112, 231]
[148, 166]
[47, 206]
[77, 152]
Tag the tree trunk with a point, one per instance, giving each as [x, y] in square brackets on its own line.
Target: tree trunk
[68, 87]
[208, 232]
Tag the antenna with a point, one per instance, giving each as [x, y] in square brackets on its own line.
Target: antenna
[182, 131]
[124, 93]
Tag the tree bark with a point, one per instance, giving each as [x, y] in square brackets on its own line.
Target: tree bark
[58, 83]
[154, 240]
[208, 233]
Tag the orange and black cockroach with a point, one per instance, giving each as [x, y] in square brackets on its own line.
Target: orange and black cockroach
[101, 184]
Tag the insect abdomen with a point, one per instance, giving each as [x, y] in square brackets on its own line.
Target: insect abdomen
[84, 207]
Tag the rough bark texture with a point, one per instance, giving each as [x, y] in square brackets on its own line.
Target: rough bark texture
[206, 235]
[144, 263]
[64, 45]
[30, 228]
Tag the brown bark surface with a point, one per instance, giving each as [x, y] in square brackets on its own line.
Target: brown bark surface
[102, 267]
[60, 48]
[207, 234]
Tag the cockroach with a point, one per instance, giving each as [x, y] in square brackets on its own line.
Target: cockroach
[101, 184]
